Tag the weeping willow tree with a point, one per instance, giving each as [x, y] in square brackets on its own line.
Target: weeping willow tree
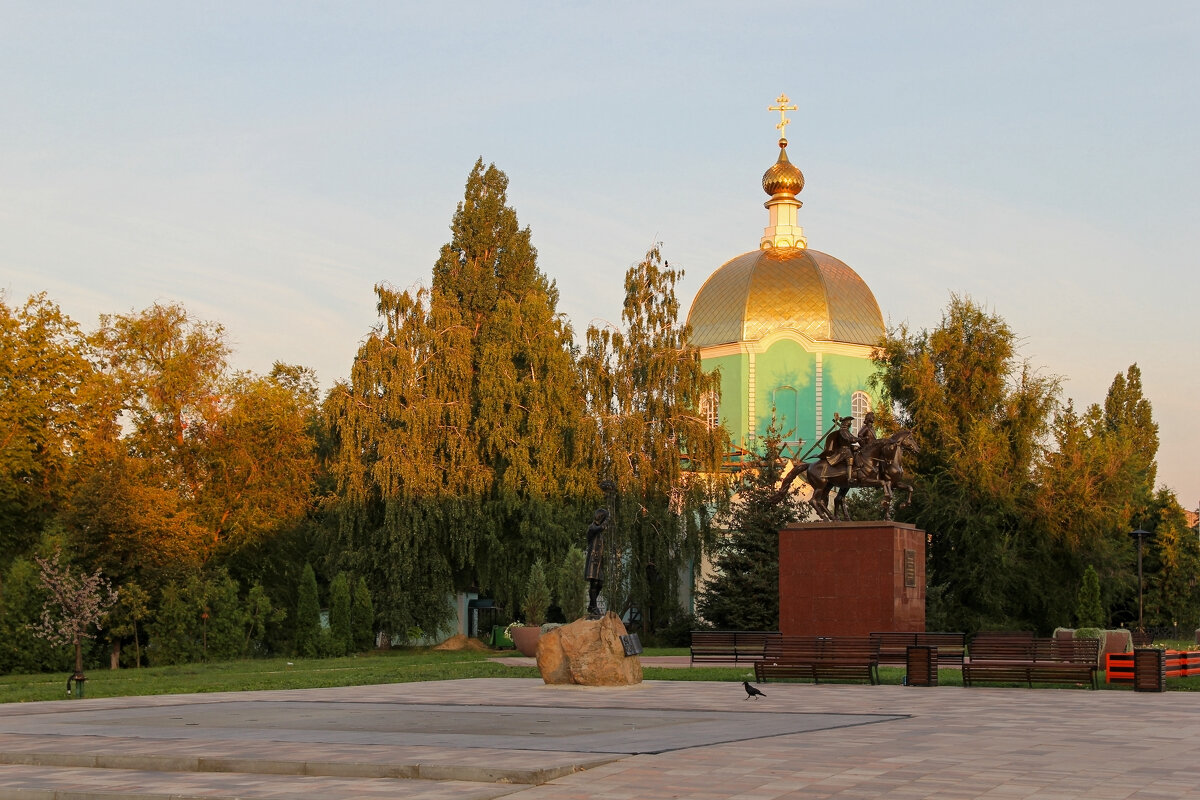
[458, 439]
[645, 386]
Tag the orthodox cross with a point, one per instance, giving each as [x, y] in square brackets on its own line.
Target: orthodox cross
[782, 108]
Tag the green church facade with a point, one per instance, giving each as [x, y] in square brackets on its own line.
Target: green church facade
[791, 330]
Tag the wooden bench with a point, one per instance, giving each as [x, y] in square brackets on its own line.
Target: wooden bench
[1030, 661]
[951, 646]
[891, 647]
[818, 658]
[723, 646]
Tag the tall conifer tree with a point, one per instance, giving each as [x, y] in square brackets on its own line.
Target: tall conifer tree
[743, 594]
[460, 458]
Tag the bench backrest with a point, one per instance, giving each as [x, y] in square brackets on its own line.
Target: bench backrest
[806, 648]
[1075, 651]
[754, 639]
[893, 640]
[713, 638]
[947, 640]
[1001, 649]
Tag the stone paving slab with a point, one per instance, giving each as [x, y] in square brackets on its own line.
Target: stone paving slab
[601, 730]
[946, 742]
[39, 783]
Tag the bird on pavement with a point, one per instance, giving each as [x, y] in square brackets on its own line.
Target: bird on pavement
[751, 691]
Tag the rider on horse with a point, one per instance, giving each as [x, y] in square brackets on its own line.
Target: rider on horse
[840, 445]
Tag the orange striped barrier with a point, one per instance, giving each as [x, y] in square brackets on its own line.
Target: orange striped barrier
[1179, 663]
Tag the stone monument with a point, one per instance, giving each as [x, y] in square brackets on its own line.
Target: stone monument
[588, 652]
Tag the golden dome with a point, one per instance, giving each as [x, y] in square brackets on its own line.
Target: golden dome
[802, 290]
[783, 177]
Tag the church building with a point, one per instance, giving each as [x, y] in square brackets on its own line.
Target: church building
[790, 329]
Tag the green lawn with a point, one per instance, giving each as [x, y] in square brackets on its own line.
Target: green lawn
[393, 666]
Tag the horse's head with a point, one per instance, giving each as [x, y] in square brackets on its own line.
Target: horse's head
[907, 440]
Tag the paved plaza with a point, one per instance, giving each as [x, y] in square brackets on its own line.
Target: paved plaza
[487, 738]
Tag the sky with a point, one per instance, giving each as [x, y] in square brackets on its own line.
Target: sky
[267, 164]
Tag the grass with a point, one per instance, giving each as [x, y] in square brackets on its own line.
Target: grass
[392, 666]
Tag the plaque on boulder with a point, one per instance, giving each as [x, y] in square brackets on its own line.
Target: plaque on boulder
[588, 653]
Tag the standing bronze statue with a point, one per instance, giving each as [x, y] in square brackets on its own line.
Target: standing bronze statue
[593, 566]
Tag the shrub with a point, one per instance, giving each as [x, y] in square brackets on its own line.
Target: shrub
[1089, 612]
[175, 632]
[308, 616]
[224, 629]
[570, 587]
[362, 617]
[537, 595]
[339, 616]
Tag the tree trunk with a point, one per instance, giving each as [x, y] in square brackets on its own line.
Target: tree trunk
[78, 656]
[114, 658]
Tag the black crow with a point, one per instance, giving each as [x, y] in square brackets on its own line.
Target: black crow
[751, 691]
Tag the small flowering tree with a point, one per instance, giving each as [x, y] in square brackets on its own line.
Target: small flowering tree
[76, 603]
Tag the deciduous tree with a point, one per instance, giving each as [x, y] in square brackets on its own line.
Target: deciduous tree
[644, 387]
[50, 394]
[76, 603]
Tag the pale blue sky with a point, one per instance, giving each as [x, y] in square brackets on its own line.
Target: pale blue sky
[267, 163]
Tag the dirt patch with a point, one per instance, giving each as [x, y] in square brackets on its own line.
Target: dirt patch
[462, 642]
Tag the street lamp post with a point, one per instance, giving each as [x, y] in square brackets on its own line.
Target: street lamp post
[1141, 535]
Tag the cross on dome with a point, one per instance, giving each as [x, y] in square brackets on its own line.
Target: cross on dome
[782, 108]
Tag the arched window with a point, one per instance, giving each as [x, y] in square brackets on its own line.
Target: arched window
[710, 410]
[860, 404]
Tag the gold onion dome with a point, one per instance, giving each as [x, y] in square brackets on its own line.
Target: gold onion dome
[785, 289]
[783, 177]
[784, 285]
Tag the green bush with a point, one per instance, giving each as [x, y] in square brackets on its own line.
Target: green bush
[570, 588]
[308, 616]
[537, 595]
[175, 631]
[339, 616]
[225, 627]
[1089, 633]
[260, 615]
[362, 617]
[1089, 611]
[21, 598]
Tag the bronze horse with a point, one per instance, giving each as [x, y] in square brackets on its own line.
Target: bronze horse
[877, 465]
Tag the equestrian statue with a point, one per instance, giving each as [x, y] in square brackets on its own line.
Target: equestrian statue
[849, 461]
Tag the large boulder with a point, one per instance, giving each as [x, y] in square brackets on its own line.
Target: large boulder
[588, 653]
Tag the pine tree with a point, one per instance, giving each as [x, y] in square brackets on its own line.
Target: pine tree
[339, 616]
[744, 592]
[645, 386]
[308, 616]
